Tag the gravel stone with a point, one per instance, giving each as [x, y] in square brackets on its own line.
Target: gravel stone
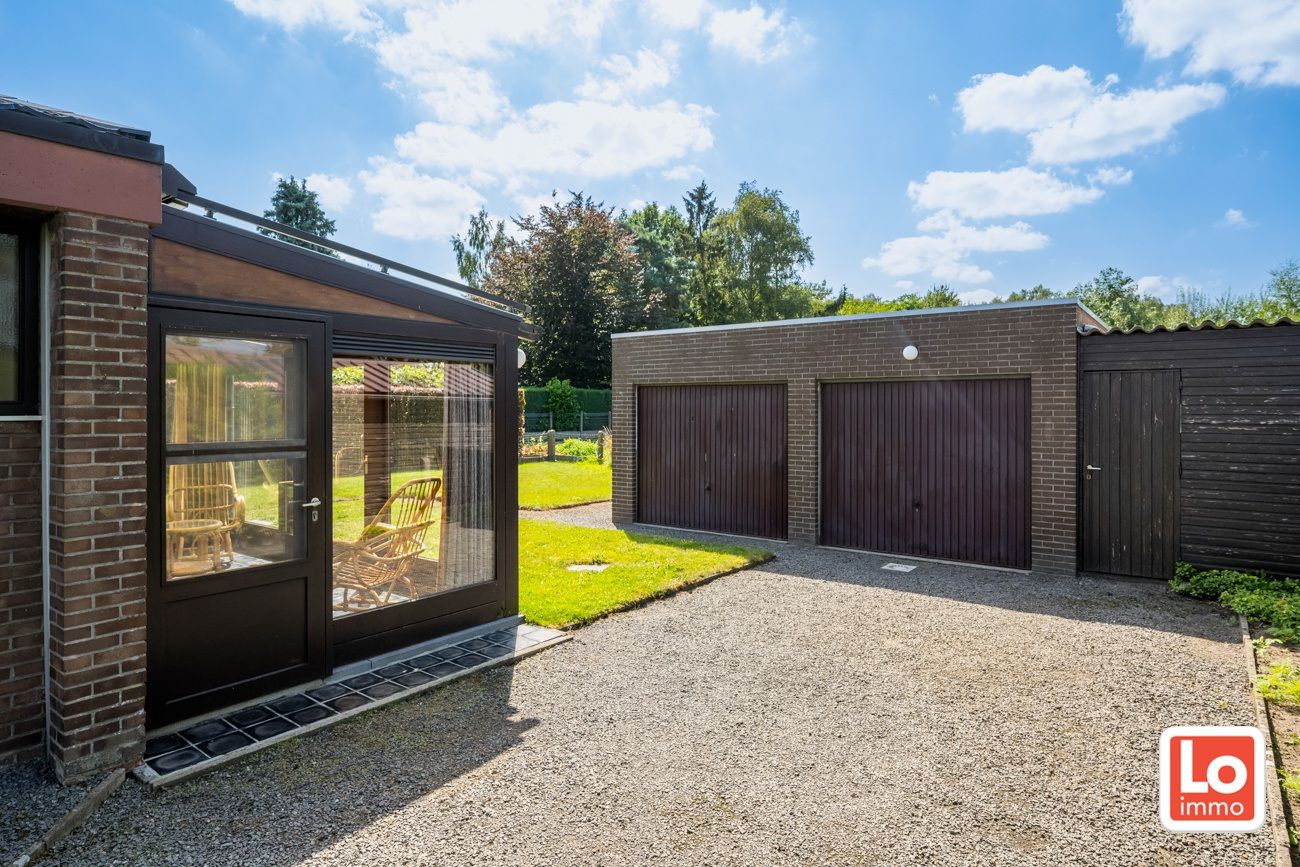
[814, 710]
[31, 801]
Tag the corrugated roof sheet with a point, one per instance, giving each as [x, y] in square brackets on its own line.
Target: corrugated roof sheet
[13, 103]
[1207, 325]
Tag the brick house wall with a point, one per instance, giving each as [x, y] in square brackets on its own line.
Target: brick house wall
[99, 286]
[22, 684]
[1037, 340]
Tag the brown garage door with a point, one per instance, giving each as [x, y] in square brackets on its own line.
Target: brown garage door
[937, 468]
[712, 457]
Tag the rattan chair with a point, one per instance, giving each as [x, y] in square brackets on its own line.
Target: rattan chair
[369, 571]
[207, 492]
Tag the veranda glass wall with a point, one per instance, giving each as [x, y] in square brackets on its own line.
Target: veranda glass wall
[412, 492]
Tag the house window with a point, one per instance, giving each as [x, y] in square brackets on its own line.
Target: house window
[19, 353]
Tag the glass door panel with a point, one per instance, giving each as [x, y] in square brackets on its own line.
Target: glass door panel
[230, 502]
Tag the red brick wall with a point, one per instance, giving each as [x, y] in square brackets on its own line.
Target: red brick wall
[22, 691]
[97, 493]
[1036, 341]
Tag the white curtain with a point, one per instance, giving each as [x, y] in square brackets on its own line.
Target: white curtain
[467, 555]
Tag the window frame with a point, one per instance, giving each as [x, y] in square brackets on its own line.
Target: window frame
[27, 386]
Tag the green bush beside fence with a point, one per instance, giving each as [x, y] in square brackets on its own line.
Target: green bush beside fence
[589, 399]
[1273, 603]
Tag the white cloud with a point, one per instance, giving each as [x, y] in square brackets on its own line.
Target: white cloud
[1235, 219]
[977, 296]
[635, 204]
[1113, 125]
[586, 138]
[946, 256]
[1257, 41]
[1070, 119]
[680, 14]
[416, 206]
[447, 57]
[1022, 103]
[627, 77]
[904, 285]
[683, 172]
[352, 16]
[1111, 176]
[754, 33]
[334, 192]
[1018, 192]
[1164, 288]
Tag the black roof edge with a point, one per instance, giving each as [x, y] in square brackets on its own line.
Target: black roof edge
[205, 233]
[174, 183]
[60, 127]
[329, 243]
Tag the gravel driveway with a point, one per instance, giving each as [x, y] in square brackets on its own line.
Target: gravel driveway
[814, 710]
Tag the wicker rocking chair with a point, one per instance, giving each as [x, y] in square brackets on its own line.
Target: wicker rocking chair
[207, 492]
[370, 570]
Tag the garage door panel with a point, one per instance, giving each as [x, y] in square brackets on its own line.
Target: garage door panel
[713, 457]
[935, 468]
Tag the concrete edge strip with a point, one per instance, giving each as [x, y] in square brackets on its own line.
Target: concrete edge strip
[73, 819]
[669, 592]
[1276, 809]
[154, 780]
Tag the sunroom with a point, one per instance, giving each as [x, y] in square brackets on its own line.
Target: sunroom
[332, 442]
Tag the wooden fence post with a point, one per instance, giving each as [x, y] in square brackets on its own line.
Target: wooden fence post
[600, 448]
[550, 444]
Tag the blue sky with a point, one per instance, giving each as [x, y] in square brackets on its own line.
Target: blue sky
[988, 145]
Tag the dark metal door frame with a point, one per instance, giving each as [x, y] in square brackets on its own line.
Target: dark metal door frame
[166, 700]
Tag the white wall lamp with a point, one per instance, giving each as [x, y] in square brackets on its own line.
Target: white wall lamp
[521, 356]
[910, 352]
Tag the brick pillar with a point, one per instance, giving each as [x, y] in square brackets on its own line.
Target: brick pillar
[99, 283]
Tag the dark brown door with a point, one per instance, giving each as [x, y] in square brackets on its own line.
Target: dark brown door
[1130, 472]
[713, 457]
[936, 468]
[237, 509]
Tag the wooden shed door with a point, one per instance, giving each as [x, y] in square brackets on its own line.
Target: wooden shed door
[1130, 472]
[938, 468]
[713, 457]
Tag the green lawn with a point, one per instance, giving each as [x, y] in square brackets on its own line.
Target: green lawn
[641, 567]
[551, 484]
[542, 485]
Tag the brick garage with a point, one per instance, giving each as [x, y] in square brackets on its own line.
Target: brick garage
[1035, 340]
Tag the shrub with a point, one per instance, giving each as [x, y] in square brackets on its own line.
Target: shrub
[577, 448]
[1281, 684]
[562, 401]
[1274, 603]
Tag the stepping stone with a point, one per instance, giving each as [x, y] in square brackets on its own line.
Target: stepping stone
[226, 744]
[206, 731]
[271, 728]
[174, 761]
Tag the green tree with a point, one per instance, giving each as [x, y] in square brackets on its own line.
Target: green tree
[1114, 296]
[1282, 292]
[1037, 293]
[660, 244]
[577, 268]
[755, 254]
[562, 403]
[474, 251]
[700, 302]
[298, 207]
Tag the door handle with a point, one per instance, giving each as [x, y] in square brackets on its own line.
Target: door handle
[314, 504]
[1090, 468]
